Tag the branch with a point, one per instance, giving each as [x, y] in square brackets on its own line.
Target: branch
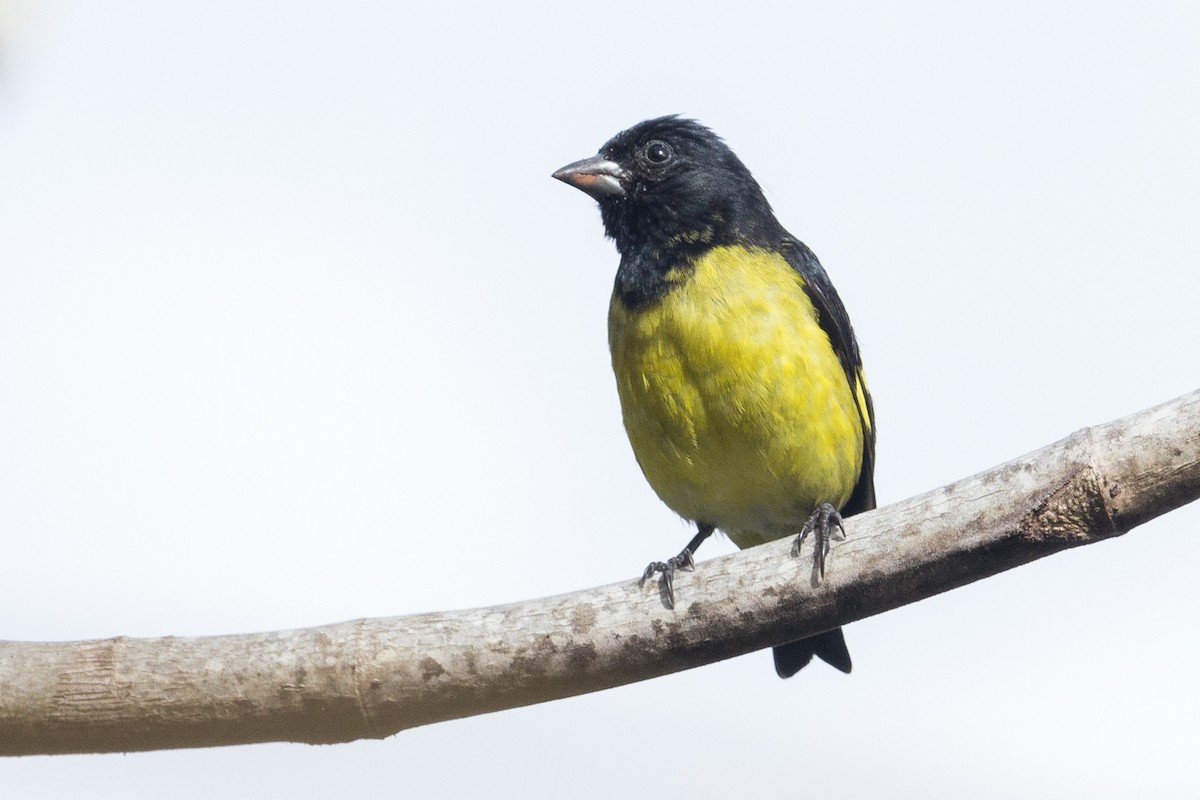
[373, 677]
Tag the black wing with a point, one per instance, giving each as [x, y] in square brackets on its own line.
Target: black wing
[836, 323]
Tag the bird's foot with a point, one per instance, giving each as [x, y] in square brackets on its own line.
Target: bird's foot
[821, 524]
[668, 568]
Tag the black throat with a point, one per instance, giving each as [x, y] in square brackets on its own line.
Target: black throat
[655, 260]
[647, 272]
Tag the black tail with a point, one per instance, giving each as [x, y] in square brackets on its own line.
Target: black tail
[829, 646]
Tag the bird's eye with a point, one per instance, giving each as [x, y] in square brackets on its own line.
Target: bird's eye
[658, 152]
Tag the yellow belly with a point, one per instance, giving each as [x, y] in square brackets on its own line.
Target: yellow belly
[735, 403]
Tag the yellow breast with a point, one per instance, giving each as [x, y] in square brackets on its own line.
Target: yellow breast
[735, 403]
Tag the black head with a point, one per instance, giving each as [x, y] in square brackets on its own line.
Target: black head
[671, 184]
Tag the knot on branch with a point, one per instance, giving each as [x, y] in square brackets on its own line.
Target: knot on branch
[1078, 511]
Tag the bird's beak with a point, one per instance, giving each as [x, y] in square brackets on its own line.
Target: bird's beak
[595, 176]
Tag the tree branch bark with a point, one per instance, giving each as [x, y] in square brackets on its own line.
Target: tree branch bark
[371, 678]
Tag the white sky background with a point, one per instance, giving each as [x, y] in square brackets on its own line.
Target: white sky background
[295, 328]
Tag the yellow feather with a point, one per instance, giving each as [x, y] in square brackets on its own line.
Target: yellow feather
[735, 403]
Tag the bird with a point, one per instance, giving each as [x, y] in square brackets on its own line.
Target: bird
[739, 375]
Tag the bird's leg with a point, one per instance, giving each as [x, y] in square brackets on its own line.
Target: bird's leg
[682, 561]
[821, 524]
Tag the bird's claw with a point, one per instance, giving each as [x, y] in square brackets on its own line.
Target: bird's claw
[821, 524]
[683, 561]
